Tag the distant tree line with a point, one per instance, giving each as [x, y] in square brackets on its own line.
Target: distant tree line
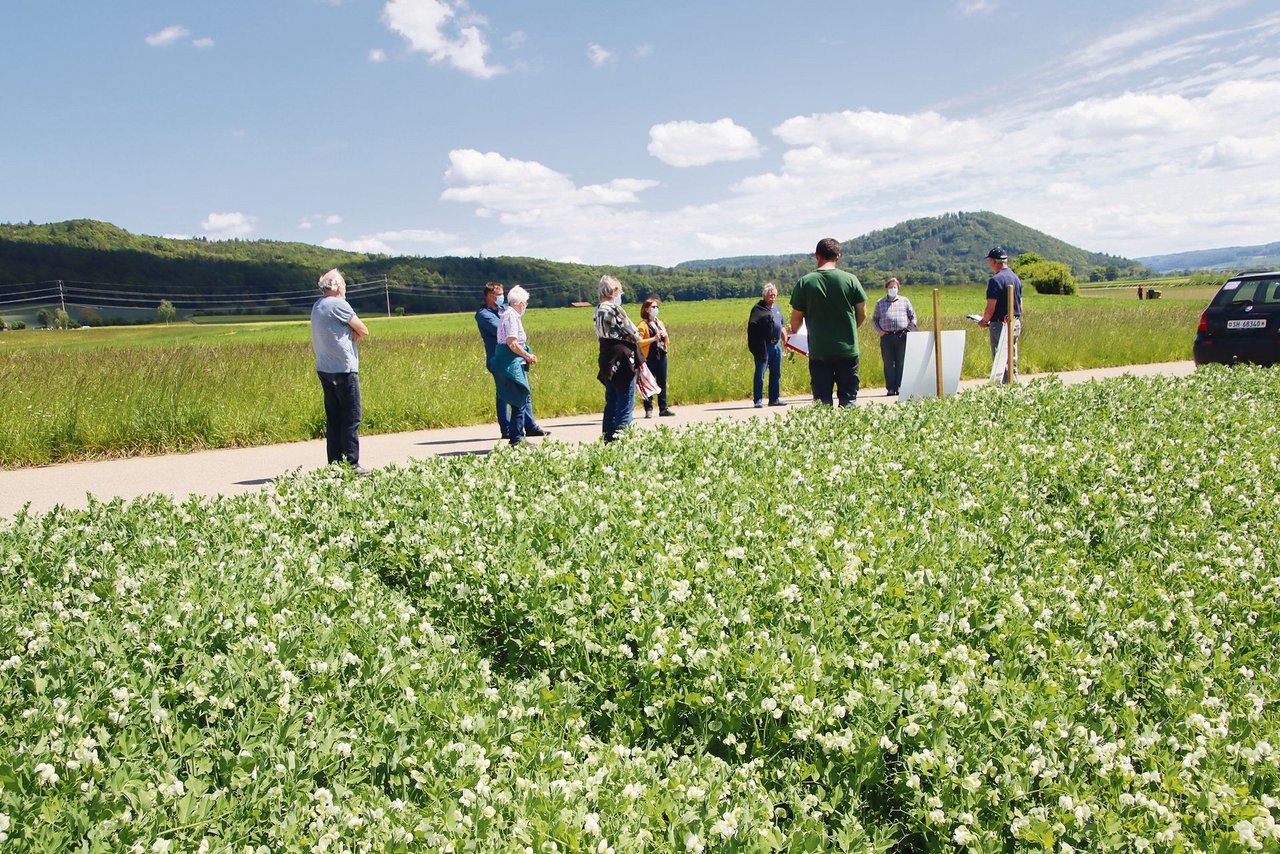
[269, 277]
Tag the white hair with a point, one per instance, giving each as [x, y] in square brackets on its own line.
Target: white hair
[517, 295]
[332, 281]
[769, 286]
[608, 287]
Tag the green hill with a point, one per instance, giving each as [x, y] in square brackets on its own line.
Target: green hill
[942, 250]
[118, 273]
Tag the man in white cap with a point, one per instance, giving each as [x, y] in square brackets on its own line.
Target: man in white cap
[335, 329]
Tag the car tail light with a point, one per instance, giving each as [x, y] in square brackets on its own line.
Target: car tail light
[1204, 322]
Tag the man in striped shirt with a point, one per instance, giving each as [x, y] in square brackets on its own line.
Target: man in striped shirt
[893, 318]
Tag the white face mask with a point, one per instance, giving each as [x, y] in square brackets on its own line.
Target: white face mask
[893, 292]
[654, 313]
[618, 299]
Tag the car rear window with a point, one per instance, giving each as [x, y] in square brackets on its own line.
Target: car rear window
[1257, 291]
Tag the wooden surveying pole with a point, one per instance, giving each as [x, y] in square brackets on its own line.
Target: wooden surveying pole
[937, 336]
[1008, 318]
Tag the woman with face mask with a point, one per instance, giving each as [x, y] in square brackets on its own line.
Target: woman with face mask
[893, 318]
[654, 345]
[619, 358]
[511, 361]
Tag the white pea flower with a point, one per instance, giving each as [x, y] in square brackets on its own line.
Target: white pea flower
[45, 774]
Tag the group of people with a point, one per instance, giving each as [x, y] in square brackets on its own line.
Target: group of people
[829, 303]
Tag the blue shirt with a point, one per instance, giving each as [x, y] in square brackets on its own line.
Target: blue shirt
[331, 337]
[487, 322]
[997, 289]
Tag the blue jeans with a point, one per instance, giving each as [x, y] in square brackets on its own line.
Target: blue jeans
[342, 416]
[893, 349]
[828, 374]
[618, 406]
[504, 415]
[772, 359]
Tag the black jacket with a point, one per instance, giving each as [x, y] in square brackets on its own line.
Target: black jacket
[760, 329]
[619, 361]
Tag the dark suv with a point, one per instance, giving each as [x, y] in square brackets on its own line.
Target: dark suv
[1242, 322]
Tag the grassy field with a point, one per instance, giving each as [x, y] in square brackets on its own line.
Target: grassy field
[936, 639]
[144, 390]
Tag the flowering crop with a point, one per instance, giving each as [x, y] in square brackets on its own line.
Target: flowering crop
[1033, 618]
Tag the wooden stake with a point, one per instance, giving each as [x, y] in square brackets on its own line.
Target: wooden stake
[937, 336]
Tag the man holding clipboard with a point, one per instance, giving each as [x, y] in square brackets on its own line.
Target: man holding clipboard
[830, 305]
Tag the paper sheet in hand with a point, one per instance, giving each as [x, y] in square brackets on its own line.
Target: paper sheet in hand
[1000, 361]
[799, 340]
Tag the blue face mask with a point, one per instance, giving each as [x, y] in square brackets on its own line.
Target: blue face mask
[654, 313]
[893, 292]
[501, 300]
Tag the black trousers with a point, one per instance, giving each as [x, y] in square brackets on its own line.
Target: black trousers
[893, 348]
[342, 416]
[657, 362]
[828, 374]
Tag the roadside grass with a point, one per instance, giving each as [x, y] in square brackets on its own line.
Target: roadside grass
[146, 390]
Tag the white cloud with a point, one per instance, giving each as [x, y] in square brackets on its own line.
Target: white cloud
[391, 242]
[1237, 152]
[436, 28]
[223, 226]
[699, 143]
[598, 55]
[377, 54]
[1129, 114]
[371, 245]
[642, 51]
[523, 187]
[866, 131]
[417, 235]
[975, 7]
[203, 43]
[312, 220]
[515, 39]
[167, 36]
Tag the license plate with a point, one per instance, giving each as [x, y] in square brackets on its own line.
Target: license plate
[1256, 323]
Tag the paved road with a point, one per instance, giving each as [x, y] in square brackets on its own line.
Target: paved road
[239, 470]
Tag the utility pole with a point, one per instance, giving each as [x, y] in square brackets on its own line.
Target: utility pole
[386, 291]
[62, 300]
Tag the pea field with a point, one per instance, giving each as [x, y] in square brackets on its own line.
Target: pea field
[1027, 618]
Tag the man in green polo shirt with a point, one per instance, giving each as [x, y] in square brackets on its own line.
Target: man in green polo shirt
[834, 305]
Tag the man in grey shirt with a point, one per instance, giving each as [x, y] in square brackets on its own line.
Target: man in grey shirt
[335, 329]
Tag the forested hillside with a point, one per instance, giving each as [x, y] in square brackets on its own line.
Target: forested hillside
[945, 249]
[1234, 258]
[129, 270]
[115, 272]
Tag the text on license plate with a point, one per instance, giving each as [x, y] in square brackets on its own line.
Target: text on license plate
[1254, 323]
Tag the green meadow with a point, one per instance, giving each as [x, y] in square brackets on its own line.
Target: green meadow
[79, 394]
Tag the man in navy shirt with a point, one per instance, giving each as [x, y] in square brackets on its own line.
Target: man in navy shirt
[994, 318]
[487, 319]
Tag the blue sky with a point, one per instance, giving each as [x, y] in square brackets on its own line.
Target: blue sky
[642, 132]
